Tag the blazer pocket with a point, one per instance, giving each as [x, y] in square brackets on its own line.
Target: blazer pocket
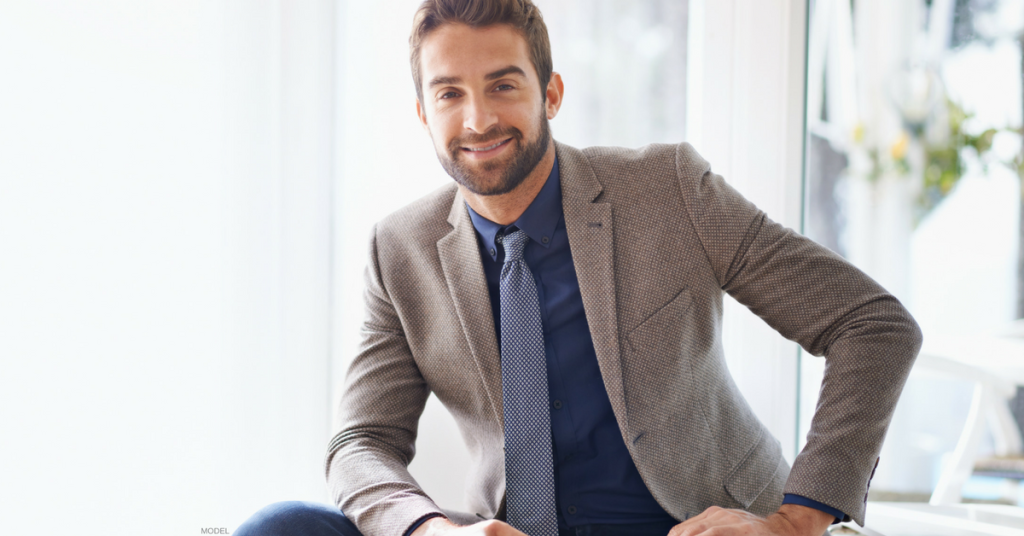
[755, 471]
[661, 324]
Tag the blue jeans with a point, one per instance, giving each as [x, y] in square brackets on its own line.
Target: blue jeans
[299, 518]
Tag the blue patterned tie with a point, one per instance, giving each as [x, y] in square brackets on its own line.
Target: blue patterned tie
[529, 469]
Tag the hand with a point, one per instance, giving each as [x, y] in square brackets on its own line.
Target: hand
[790, 520]
[439, 526]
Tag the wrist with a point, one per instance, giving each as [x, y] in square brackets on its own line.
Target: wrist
[801, 520]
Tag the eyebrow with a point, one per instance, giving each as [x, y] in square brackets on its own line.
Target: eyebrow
[445, 80]
[511, 69]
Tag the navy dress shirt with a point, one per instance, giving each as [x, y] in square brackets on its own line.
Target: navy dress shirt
[596, 481]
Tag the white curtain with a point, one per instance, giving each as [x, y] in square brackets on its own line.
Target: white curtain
[165, 247]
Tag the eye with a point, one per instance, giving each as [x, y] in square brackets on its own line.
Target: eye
[448, 95]
[504, 87]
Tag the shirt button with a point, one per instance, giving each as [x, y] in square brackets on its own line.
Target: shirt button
[545, 240]
[492, 252]
[557, 404]
[571, 510]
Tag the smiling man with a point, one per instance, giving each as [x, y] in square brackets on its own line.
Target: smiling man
[565, 305]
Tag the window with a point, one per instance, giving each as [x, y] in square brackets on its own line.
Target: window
[913, 142]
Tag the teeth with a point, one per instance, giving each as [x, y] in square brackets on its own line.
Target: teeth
[486, 148]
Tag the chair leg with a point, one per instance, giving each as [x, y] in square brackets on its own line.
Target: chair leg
[954, 475]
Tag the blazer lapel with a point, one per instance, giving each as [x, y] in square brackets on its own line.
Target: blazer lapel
[589, 226]
[464, 273]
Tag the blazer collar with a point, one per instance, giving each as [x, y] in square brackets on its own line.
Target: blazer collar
[590, 226]
[467, 285]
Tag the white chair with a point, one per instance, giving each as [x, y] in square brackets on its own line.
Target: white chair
[996, 366]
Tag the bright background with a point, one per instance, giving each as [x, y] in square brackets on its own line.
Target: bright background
[186, 193]
[887, 82]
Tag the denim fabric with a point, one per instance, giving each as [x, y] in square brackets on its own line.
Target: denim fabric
[298, 518]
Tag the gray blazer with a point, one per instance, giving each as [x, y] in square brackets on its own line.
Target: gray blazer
[657, 239]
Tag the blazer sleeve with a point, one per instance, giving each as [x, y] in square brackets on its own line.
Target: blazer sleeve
[816, 298]
[376, 424]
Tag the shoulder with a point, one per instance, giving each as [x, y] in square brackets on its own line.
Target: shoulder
[655, 165]
[422, 221]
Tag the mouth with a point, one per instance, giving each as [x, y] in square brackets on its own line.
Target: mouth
[486, 151]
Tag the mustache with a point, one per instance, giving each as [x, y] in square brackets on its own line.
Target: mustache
[494, 135]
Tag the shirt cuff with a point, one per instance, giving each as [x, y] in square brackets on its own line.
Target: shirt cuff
[421, 521]
[791, 498]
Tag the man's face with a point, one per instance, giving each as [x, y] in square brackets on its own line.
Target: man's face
[483, 106]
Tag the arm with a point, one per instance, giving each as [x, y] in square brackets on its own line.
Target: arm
[814, 297]
[376, 426]
[791, 519]
[381, 403]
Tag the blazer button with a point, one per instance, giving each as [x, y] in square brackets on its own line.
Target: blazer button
[571, 510]
[557, 404]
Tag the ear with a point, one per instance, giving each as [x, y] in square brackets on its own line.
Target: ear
[422, 114]
[554, 95]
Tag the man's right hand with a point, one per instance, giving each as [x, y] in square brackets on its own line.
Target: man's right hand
[439, 526]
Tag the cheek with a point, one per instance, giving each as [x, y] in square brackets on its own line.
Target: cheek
[444, 127]
[529, 122]
[440, 133]
[519, 115]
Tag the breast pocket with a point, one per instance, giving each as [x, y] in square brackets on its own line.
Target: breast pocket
[663, 330]
[658, 382]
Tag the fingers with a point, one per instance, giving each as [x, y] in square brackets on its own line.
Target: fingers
[696, 524]
[717, 521]
[730, 529]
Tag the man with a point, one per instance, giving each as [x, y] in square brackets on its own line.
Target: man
[566, 307]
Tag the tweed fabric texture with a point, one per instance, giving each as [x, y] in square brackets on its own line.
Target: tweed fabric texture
[529, 464]
[657, 240]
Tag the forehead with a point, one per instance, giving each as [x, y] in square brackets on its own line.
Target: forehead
[457, 50]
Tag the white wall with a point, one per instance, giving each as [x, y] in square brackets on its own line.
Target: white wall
[164, 275]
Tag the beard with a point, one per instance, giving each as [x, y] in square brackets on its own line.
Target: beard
[513, 169]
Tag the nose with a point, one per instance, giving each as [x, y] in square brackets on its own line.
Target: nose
[479, 115]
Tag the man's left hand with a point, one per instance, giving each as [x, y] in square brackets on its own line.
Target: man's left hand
[790, 520]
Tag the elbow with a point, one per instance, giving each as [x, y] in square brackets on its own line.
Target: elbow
[906, 339]
[917, 335]
[913, 336]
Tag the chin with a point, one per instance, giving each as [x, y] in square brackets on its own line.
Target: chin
[486, 179]
[489, 187]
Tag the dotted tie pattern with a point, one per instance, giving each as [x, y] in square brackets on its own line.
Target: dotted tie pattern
[529, 466]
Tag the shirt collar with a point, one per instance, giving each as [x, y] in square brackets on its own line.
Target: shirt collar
[539, 220]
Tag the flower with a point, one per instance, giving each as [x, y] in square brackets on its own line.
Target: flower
[898, 150]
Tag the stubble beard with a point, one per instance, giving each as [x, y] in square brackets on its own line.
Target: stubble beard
[523, 161]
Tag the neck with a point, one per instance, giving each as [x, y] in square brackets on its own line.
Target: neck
[506, 208]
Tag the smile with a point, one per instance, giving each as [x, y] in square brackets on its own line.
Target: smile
[488, 148]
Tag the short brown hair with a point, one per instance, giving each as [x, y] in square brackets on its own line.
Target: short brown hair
[520, 14]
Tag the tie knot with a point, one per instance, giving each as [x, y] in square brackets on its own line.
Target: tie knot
[514, 244]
